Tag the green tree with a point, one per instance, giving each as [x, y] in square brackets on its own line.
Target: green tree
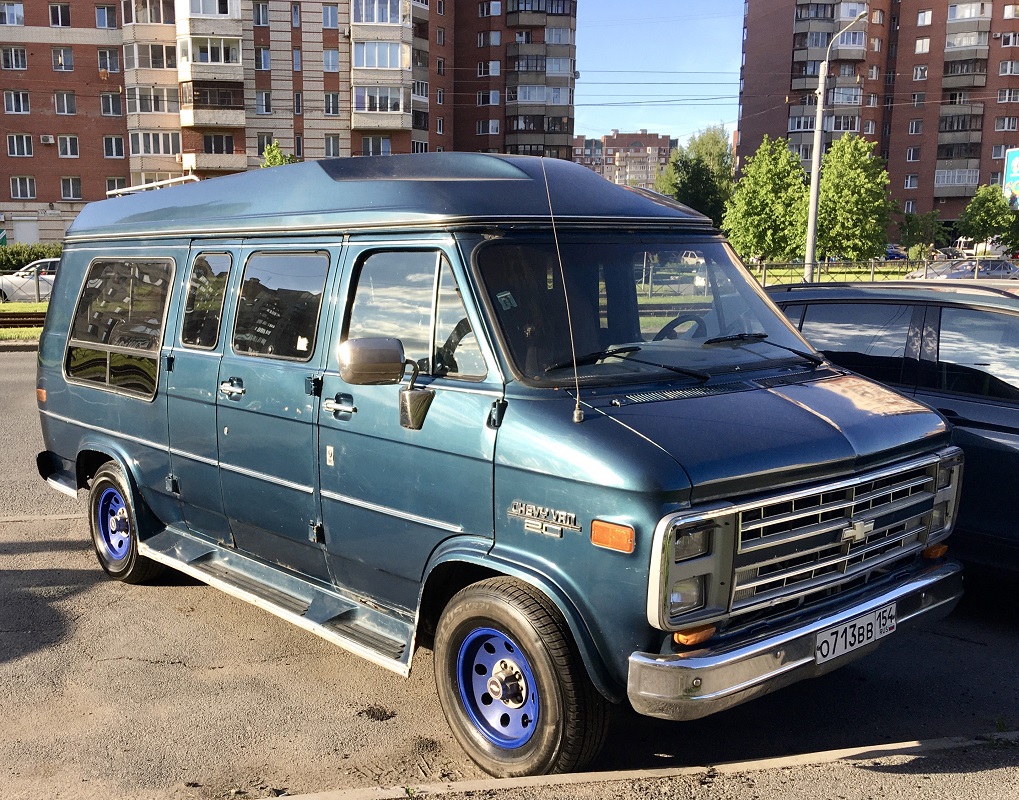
[700, 173]
[918, 233]
[987, 218]
[273, 156]
[854, 209]
[766, 217]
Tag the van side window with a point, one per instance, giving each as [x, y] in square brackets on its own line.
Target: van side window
[203, 308]
[395, 297]
[277, 312]
[978, 354]
[117, 326]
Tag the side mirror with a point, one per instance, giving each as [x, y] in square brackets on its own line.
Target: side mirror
[372, 361]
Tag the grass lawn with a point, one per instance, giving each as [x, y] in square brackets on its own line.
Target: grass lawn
[19, 334]
[22, 308]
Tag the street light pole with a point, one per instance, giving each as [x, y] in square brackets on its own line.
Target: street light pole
[815, 156]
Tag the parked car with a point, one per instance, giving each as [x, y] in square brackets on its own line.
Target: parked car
[895, 252]
[979, 268]
[21, 285]
[948, 254]
[955, 346]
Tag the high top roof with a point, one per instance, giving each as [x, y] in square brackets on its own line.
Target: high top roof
[426, 189]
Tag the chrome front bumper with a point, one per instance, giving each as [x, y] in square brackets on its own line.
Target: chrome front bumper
[682, 686]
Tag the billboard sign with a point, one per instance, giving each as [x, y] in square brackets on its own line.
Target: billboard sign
[1010, 183]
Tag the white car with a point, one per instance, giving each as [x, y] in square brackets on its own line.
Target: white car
[21, 285]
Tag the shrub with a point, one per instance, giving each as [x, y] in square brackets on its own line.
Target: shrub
[17, 254]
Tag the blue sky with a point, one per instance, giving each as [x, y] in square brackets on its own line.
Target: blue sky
[670, 66]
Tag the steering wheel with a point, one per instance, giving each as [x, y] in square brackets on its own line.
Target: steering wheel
[699, 329]
[444, 356]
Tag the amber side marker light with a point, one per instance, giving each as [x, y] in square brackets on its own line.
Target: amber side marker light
[611, 536]
[935, 551]
[40, 395]
[694, 635]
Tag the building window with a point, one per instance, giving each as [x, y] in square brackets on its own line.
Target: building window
[486, 68]
[60, 15]
[916, 126]
[1006, 123]
[106, 16]
[419, 89]
[145, 100]
[155, 143]
[918, 99]
[440, 96]
[262, 58]
[912, 181]
[490, 98]
[332, 104]
[298, 104]
[1011, 11]
[113, 146]
[110, 105]
[260, 14]
[440, 66]
[67, 146]
[298, 145]
[376, 146]
[210, 7]
[956, 177]
[486, 127]
[440, 7]
[378, 55]
[909, 206]
[920, 73]
[23, 188]
[845, 122]
[332, 146]
[493, 9]
[113, 184]
[377, 11]
[923, 18]
[923, 45]
[994, 179]
[378, 98]
[1008, 95]
[295, 15]
[330, 60]
[263, 102]
[912, 154]
[109, 60]
[846, 95]
[12, 13]
[1009, 39]
[297, 59]
[490, 38]
[330, 16]
[70, 188]
[156, 12]
[16, 102]
[440, 125]
[440, 36]
[263, 140]
[14, 58]
[65, 103]
[19, 145]
[212, 51]
[418, 147]
[869, 126]
[998, 151]
[968, 10]
[63, 59]
[1008, 68]
[967, 39]
[565, 36]
[218, 143]
[150, 56]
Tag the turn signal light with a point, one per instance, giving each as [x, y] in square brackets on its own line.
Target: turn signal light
[611, 536]
[935, 551]
[694, 635]
[40, 395]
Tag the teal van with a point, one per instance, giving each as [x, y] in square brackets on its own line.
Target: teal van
[483, 404]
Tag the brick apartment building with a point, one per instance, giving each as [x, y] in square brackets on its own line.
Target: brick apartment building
[629, 159]
[934, 84]
[109, 94]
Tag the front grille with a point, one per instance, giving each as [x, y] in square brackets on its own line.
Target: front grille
[798, 547]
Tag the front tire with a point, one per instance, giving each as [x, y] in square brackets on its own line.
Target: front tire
[113, 521]
[511, 683]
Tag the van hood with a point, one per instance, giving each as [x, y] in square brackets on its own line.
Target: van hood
[756, 436]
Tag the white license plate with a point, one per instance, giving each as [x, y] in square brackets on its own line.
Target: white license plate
[841, 639]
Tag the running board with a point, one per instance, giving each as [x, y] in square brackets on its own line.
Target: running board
[369, 632]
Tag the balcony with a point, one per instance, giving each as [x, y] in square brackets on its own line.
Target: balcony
[214, 162]
[381, 121]
[527, 19]
[965, 81]
[212, 117]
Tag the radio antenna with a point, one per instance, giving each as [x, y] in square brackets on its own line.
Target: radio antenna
[578, 412]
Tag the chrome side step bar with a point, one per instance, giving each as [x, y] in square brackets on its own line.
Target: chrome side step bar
[373, 634]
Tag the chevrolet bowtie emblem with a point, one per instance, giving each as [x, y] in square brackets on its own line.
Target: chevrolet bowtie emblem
[857, 532]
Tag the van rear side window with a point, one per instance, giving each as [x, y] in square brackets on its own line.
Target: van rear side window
[117, 327]
[203, 309]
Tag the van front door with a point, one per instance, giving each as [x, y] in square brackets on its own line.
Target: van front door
[266, 407]
[391, 495]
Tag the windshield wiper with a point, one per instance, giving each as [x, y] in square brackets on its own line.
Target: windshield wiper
[621, 352]
[813, 358]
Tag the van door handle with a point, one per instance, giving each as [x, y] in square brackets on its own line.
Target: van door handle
[952, 416]
[232, 388]
[343, 404]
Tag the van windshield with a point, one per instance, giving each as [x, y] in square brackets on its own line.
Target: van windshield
[640, 307]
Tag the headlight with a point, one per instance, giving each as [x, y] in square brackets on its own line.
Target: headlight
[686, 595]
[690, 541]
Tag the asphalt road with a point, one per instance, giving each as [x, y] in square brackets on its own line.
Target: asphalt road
[175, 690]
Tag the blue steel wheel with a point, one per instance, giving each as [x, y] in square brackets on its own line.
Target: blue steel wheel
[511, 683]
[497, 688]
[113, 521]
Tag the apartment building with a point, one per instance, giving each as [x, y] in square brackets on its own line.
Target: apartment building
[934, 85]
[629, 159]
[108, 96]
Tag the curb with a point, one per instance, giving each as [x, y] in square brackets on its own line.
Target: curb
[580, 778]
[18, 347]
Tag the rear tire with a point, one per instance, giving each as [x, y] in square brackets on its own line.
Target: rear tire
[511, 683]
[113, 521]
